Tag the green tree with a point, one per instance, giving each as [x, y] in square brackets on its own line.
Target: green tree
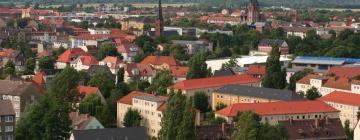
[9, 69]
[46, 63]
[120, 76]
[23, 22]
[297, 76]
[220, 106]
[312, 93]
[29, 66]
[59, 51]
[349, 133]
[104, 82]
[106, 49]
[274, 132]
[275, 77]
[91, 105]
[146, 43]
[179, 53]
[201, 101]
[230, 64]
[161, 81]
[187, 127]
[64, 85]
[132, 118]
[197, 67]
[246, 127]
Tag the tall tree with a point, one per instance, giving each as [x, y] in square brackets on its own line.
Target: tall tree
[91, 105]
[132, 118]
[197, 67]
[120, 76]
[187, 127]
[201, 101]
[104, 82]
[349, 133]
[64, 85]
[312, 93]
[29, 66]
[161, 81]
[9, 69]
[107, 49]
[46, 63]
[275, 77]
[246, 127]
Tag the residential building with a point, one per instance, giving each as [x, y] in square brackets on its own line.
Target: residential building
[7, 120]
[84, 121]
[257, 71]
[233, 94]
[68, 56]
[321, 63]
[224, 20]
[347, 103]
[113, 62]
[273, 112]
[345, 71]
[85, 91]
[83, 62]
[128, 133]
[129, 51]
[20, 93]
[95, 31]
[13, 55]
[160, 62]
[136, 23]
[297, 31]
[43, 78]
[193, 47]
[179, 73]
[215, 132]
[265, 46]
[327, 84]
[48, 37]
[137, 71]
[88, 39]
[208, 85]
[357, 131]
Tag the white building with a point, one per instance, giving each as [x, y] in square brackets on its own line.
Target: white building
[94, 31]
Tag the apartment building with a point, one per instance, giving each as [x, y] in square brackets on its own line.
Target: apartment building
[7, 120]
[273, 112]
[347, 103]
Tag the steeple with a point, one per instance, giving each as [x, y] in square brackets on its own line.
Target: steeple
[253, 11]
[159, 26]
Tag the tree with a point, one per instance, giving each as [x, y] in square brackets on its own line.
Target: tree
[197, 67]
[91, 105]
[9, 69]
[132, 118]
[230, 64]
[106, 49]
[201, 101]
[146, 43]
[187, 127]
[161, 81]
[275, 77]
[179, 53]
[104, 82]
[59, 51]
[220, 106]
[64, 85]
[274, 132]
[312, 93]
[120, 76]
[29, 66]
[46, 63]
[297, 76]
[349, 133]
[246, 127]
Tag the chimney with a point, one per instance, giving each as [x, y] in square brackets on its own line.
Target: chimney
[317, 123]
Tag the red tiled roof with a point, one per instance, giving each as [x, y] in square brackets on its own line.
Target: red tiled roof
[215, 81]
[329, 81]
[256, 70]
[159, 60]
[69, 54]
[84, 90]
[113, 60]
[6, 53]
[349, 72]
[179, 71]
[88, 60]
[278, 108]
[343, 98]
[144, 69]
[306, 79]
[128, 99]
[39, 78]
[92, 36]
[127, 48]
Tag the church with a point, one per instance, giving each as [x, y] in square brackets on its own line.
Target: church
[252, 12]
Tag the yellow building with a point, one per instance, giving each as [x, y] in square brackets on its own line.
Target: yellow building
[135, 23]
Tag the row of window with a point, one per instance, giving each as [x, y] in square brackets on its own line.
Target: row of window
[8, 129]
[298, 117]
[7, 118]
[10, 97]
[7, 137]
[146, 103]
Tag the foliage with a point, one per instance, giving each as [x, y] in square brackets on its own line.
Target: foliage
[197, 67]
[275, 77]
[9, 69]
[220, 106]
[104, 82]
[59, 51]
[46, 63]
[29, 66]
[312, 93]
[179, 53]
[230, 64]
[132, 118]
[90, 105]
[146, 43]
[120, 75]
[161, 81]
[349, 133]
[297, 76]
[65, 85]
[106, 49]
[201, 101]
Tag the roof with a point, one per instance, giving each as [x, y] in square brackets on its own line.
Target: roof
[143, 69]
[9, 53]
[349, 72]
[215, 82]
[80, 121]
[324, 60]
[144, 96]
[70, 55]
[150, 98]
[271, 42]
[256, 70]
[6, 108]
[113, 60]
[297, 29]
[126, 133]
[159, 60]
[179, 71]
[330, 81]
[18, 88]
[87, 89]
[278, 108]
[128, 48]
[39, 78]
[342, 98]
[88, 60]
[259, 92]
[223, 72]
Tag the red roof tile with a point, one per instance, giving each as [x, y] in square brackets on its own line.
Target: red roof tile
[330, 81]
[39, 78]
[343, 98]
[179, 71]
[92, 36]
[159, 60]
[128, 48]
[256, 70]
[306, 79]
[113, 60]
[85, 90]
[88, 60]
[215, 82]
[70, 54]
[278, 108]
[349, 72]
[144, 69]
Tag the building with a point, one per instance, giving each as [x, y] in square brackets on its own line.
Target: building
[273, 112]
[208, 85]
[150, 107]
[113, 62]
[344, 71]
[215, 132]
[83, 62]
[11, 55]
[253, 14]
[84, 121]
[129, 51]
[48, 37]
[68, 56]
[43, 78]
[329, 129]
[20, 93]
[7, 120]
[85, 91]
[160, 62]
[357, 131]
[347, 103]
[257, 71]
[128, 133]
[179, 73]
[327, 84]
[297, 31]
[321, 63]
[265, 46]
[135, 71]
[233, 94]
[95, 31]
[193, 47]
[136, 23]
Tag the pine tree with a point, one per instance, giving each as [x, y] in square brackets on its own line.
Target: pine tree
[132, 118]
[197, 67]
[275, 77]
[247, 127]
[187, 127]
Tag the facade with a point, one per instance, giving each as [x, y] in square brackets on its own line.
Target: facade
[233, 94]
[193, 47]
[68, 56]
[83, 62]
[273, 112]
[160, 62]
[7, 120]
[137, 71]
[297, 31]
[48, 37]
[129, 51]
[265, 46]
[94, 31]
[257, 71]
[20, 93]
[347, 103]
[84, 121]
[128, 133]
[113, 62]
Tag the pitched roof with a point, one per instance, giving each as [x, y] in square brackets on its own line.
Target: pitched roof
[39, 78]
[135, 94]
[330, 81]
[278, 108]
[143, 69]
[18, 88]
[343, 98]
[88, 59]
[70, 55]
[179, 71]
[256, 70]
[349, 72]
[222, 72]
[79, 121]
[6, 108]
[159, 60]
[112, 60]
[129, 133]
[87, 89]
[306, 79]
[128, 48]
[259, 92]
[215, 82]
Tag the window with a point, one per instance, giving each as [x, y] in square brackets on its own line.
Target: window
[9, 137]
[9, 128]
[9, 119]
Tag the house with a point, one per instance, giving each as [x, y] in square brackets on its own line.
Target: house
[42, 78]
[113, 62]
[193, 47]
[85, 91]
[160, 62]
[343, 71]
[88, 39]
[84, 121]
[327, 84]
[179, 73]
[13, 55]
[20, 93]
[48, 37]
[68, 56]
[233, 94]
[223, 20]
[273, 112]
[150, 107]
[136, 23]
[83, 62]
[347, 103]
[297, 31]
[357, 131]
[208, 85]
[326, 128]
[321, 63]
[257, 71]
[265, 46]
[7, 120]
[137, 71]
[224, 72]
[129, 51]
[128, 133]
[215, 132]
[94, 31]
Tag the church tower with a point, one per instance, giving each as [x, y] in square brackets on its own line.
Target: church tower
[253, 14]
[159, 23]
